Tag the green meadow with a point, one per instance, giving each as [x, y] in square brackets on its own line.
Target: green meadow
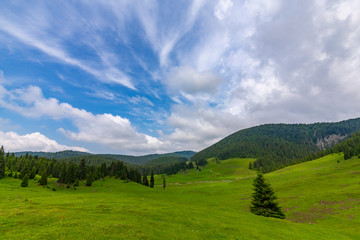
[321, 200]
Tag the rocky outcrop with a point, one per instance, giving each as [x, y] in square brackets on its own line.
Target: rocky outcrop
[329, 141]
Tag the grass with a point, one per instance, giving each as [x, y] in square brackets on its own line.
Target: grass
[320, 199]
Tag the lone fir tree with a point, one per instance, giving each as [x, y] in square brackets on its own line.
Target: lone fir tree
[263, 199]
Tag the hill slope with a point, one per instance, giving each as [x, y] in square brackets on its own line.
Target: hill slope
[97, 159]
[320, 198]
[279, 145]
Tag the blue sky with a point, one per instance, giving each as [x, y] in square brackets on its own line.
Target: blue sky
[137, 77]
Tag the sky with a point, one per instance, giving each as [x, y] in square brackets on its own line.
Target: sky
[139, 77]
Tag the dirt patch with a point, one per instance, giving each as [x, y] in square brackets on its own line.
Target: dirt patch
[322, 210]
[312, 214]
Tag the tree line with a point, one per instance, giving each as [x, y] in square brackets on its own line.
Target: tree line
[67, 173]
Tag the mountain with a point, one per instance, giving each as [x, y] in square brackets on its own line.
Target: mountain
[97, 159]
[56, 155]
[278, 145]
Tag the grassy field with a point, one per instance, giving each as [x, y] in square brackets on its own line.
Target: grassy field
[321, 200]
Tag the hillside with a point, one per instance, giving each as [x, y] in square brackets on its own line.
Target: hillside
[320, 199]
[97, 159]
[279, 145]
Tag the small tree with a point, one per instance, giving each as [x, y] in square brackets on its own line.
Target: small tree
[25, 180]
[152, 180]
[263, 199]
[164, 183]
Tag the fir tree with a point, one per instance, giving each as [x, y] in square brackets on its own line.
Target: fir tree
[76, 183]
[2, 162]
[263, 199]
[83, 169]
[32, 173]
[43, 179]
[152, 180]
[25, 180]
[89, 179]
[145, 180]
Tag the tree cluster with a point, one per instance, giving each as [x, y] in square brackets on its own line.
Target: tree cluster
[28, 167]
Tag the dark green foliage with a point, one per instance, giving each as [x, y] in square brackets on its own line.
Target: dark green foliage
[190, 165]
[24, 182]
[70, 173]
[43, 179]
[76, 183]
[350, 147]
[152, 180]
[10, 174]
[89, 179]
[2, 162]
[263, 199]
[82, 169]
[62, 175]
[145, 180]
[164, 183]
[32, 173]
[277, 145]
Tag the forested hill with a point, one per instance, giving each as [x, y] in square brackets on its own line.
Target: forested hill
[279, 145]
[97, 159]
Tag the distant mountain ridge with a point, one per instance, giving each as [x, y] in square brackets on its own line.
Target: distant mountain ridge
[76, 156]
[278, 145]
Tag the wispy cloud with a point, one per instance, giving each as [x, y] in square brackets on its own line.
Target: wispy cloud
[35, 33]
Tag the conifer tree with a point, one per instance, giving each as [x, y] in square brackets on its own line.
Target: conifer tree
[25, 180]
[76, 183]
[32, 173]
[164, 183]
[263, 199]
[43, 179]
[152, 180]
[89, 179]
[2, 162]
[83, 169]
[145, 180]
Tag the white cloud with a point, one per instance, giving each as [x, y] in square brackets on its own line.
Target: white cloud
[14, 142]
[114, 132]
[190, 81]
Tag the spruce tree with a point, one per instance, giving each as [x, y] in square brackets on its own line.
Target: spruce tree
[83, 169]
[2, 162]
[32, 173]
[25, 180]
[263, 199]
[152, 180]
[89, 179]
[145, 180]
[43, 179]
[164, 183]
